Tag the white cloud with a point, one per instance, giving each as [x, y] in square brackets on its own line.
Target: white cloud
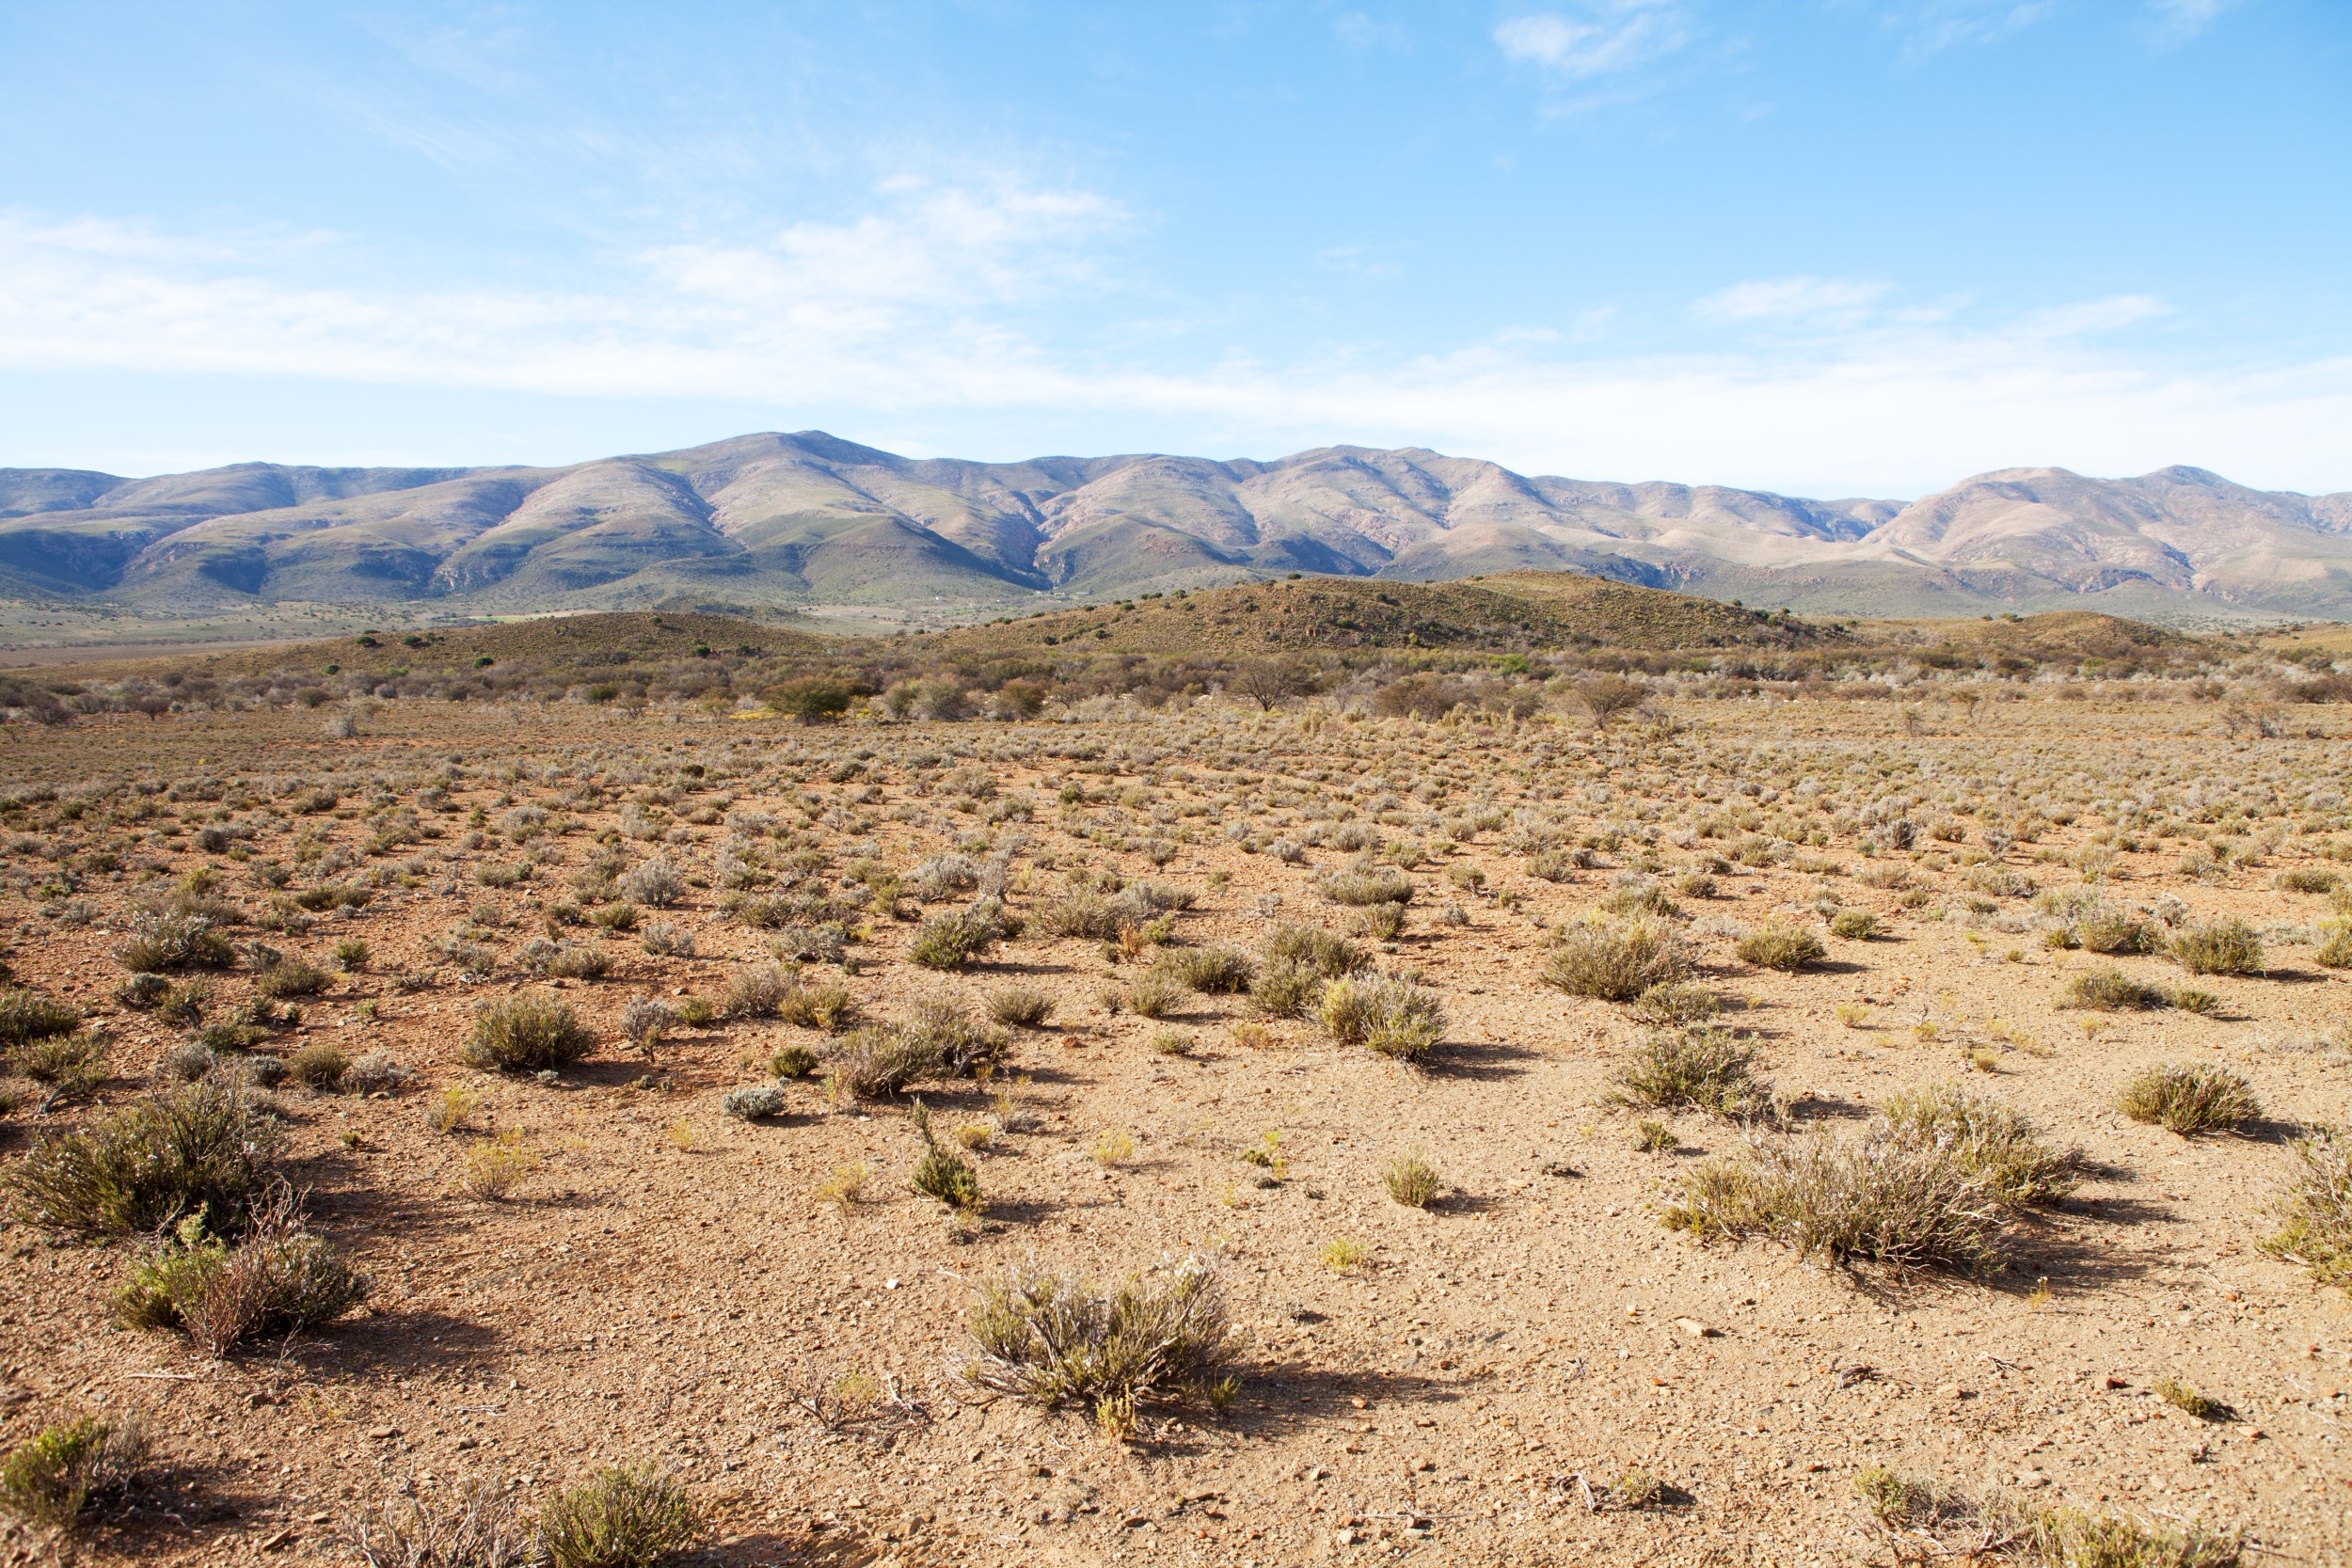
[933, 316]
[1930, 26]
[1598, 38]
[1784, 299]
[2175, 21]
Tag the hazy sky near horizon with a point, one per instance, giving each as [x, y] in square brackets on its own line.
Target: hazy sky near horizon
[1826, 246]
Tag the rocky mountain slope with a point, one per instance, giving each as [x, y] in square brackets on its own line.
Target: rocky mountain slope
[809, 519]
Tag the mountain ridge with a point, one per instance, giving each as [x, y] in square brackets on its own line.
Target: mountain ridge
[805, 518]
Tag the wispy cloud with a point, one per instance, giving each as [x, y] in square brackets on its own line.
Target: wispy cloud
[1813, 300]
[1930, 26]
[1602, 38]
[2173, 23]
[937, 310]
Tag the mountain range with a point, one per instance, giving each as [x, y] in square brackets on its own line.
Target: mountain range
[810, 519]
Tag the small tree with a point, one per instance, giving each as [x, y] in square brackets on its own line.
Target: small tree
[812, 699]
[1271, 682]
[1607, 698]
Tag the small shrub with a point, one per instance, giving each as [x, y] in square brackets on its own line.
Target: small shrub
[1057, 1339]
[1615, 963]
[1153, 994]
[952, 939]
[1700, 1066]
[942, 1025]
[480, 1526]
[170, 939]
[2221, 948]
[825, 1004]
[1215, 971]
[1853, 925]
[526, 1032]
[2109, 991]
[2102, 930]
[1019, 1007]
[1652, 1136]
[1884, 1196]
[1552, 865]
[1360, 886]
[2314, 1208]
[1412, 1180]
[1343, 1256]
[941, 1173]
[279, 1279]
[654, 883]
[198, 1149]
[52, 1480]
[2190, 1100]
[28, 1015]
[1644, 897]
[2184, 1398]
[755, 1101]
[625, 1516]
[1312, 951]
[70, 1065]
[319, 1066]
[878, 1062]
[2074, 1537]
[1384, 1013]
[494, 1166]
[1675, 1003]
[377, 1072]
[1380, 922]
[1989, 1139]
[2336, 951]
[291, 978]
[756, 990]
[665, 938]
[792, 1061]
[1784, 947]
[352, 953]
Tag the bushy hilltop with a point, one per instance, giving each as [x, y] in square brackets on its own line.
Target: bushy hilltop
[775, 520]
[1516, 640]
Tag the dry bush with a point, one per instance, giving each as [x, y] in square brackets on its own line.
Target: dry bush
[2220, 947]
[2190, 1100]
[173, 938]
[624, 1516]
[2075, 1538]
[27, 1015]
[1991, 1140]
[278, 1278]
[876, 1062]
[952, 939]
[1385, 1013]
[1616, 963]
[198, 1149]
[1360, 885]
[1154, 993]
[1053, 1338]
[654, 883]
[1019, 1007]
[2315, 1206]
[1675, 1003]
[758, 990]
[319, 1066]
[479, 1525]
[1700, 1066]
[2109, 991]
[52, 1480]
[755, 1101]
[289, 977]
[565, 960]
[1215, 971]
[493, 1168]
[527, 1031]
[1784, 947]
[1884, 1197]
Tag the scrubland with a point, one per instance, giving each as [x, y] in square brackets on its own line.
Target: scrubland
[1479, 1106]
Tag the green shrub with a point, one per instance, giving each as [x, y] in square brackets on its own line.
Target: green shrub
[1616, 963]
[526, 1033]
[1380, 922]
[941, 1173]
[1412, 1180]
[2102, 930]
[1853, 925]
[1989, 1139]
[1055, 1338]
[2314, 1208]
[1154, 993]
[1215, 971]
[1641, 898]
[28, 1015]
[812, 699]
[2074, 1537]
[1675, 1003]
[625, 1516]
[1699, 1066]
[819, 1005]
[2336, 951]
[2220, 947]
[2190, 1100]
[291, 978]
[1314, 950]
[1785, 947]
[792, 1061]
[196, 1149]
[53, 1479]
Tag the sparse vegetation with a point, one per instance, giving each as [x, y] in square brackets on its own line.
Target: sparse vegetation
[1054, 1339]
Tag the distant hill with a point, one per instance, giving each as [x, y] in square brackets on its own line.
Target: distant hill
[771, 520]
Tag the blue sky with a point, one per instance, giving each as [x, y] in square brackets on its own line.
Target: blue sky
[1829, 246]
